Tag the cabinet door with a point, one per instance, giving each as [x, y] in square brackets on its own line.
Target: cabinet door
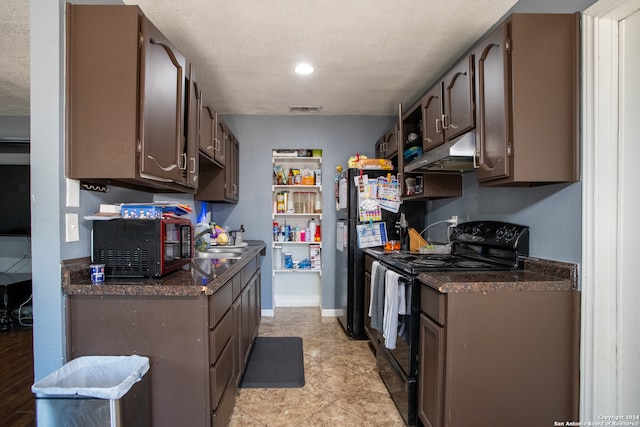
[431, 373]
[379, 148]
[433, 131]
[231, 169]
[194, 103]
[162, 150]
[459, 114]
[221, 142]
[390, 142]
[492, 105]
[207, 130]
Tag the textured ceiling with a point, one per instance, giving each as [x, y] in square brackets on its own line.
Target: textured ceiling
[369, 55]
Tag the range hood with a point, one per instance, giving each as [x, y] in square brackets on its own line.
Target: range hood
[452, 156]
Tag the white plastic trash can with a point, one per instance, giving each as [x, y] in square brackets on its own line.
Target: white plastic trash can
[95, 391]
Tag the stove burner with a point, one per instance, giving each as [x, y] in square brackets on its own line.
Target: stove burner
[401, 256]
[429, 262]
[471, 264]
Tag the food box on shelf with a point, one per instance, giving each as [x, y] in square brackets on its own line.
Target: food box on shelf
[315, 256]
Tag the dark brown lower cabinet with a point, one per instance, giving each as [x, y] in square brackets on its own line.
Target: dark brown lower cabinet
[197, 346]
[498, 358]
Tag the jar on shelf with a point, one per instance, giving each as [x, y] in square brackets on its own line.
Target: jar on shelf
[280, 204]
[310, 202]
[298, 202]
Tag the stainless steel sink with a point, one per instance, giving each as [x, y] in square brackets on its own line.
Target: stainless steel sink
[218, 254]
[227, 249]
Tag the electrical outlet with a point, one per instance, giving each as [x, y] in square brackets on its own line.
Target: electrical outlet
[72, 231]
[454, 220]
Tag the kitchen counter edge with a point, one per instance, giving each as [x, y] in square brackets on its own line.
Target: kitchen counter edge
[189, 281]
[537, 274]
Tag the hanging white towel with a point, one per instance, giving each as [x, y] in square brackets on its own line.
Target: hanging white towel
[393, 289]
[374, 273]
[402, 298]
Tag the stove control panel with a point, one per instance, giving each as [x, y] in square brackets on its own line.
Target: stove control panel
[493, 233]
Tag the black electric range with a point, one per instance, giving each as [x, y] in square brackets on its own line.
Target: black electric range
[479, 246]
[476, 245]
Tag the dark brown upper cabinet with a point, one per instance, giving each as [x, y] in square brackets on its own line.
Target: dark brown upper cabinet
[213, 135]
[194, 103]
[527, 95]
[126, 101]
[222, 143]
[221, 184]
[387, 145]
[207, 130]
[448, 107]
[428, 185]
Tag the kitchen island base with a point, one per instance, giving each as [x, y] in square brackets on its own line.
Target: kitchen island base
[198, 337]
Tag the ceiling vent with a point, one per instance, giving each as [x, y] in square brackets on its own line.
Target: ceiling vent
[305, 108]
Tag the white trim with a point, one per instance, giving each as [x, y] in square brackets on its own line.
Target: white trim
[600, 384]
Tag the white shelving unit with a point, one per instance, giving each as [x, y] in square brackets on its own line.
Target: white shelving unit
[297, 287]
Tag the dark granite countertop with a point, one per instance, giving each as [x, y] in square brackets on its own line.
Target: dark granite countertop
[201, 276]
[537, 275]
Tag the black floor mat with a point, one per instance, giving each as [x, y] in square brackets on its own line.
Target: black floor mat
[275, 362]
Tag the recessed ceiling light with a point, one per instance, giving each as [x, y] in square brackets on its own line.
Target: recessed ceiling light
[304, 69]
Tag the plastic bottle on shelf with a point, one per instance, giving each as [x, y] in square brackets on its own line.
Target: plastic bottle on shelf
[307, 235]
[312, 228]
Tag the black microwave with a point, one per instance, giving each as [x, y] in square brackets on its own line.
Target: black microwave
[142, 247]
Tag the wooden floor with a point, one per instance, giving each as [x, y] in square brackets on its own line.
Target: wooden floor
[17, 404]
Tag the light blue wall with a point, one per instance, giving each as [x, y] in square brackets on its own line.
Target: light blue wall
[553, 213]
[338, 137]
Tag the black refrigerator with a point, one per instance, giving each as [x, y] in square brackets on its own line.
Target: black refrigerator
[349, 259]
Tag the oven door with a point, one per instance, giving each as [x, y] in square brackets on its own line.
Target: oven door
[398, 367]
[406, 349]
[402, 389]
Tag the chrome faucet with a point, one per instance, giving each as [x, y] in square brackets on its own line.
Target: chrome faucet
[197, 237]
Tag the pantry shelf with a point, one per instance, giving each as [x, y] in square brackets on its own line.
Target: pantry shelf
[297, 212]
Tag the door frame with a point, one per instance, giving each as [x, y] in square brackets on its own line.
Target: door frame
[602, 193]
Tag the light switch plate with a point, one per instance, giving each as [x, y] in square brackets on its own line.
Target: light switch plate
[73, 193]
[72, 231]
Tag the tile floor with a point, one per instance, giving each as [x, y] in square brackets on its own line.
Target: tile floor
[342, 386]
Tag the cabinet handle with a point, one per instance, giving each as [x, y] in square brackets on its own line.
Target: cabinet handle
[184, 161]
[445, 121]
[438, 126]
[193, 165]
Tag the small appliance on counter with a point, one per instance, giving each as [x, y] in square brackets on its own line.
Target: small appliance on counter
[142, 247]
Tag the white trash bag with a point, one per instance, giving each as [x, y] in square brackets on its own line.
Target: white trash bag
[102, 377]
